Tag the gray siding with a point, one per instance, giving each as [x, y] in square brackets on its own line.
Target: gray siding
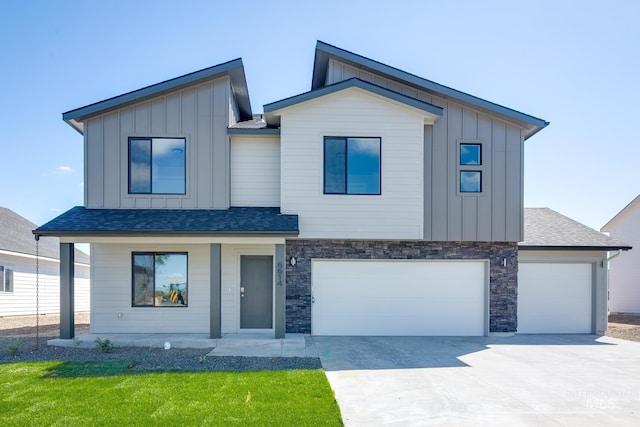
[494, 215]
[200, 114]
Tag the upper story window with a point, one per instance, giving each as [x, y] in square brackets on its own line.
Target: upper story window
[351, 165]
[470, 167]
[157, 166]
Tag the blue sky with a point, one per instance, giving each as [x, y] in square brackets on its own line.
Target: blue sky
[573, 63]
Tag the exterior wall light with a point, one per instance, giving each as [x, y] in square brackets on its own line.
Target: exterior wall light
[292, 261]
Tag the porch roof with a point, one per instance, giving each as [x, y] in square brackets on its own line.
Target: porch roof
[81, 221]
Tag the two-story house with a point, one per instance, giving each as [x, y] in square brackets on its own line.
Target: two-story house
[377, 203]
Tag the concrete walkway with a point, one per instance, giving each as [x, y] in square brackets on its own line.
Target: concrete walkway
[249, 345]
[525, 380]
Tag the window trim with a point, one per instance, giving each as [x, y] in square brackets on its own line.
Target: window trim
[346, 166]
[480, 168]
[6, 273]
[151, 138]
[133, 283]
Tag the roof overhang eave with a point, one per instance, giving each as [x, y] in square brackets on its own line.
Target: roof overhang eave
[326, 51]
[572, 248]
[234, 69]
[160, 233]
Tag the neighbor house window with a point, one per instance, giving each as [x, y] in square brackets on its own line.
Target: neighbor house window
[157, 166]
[470, 167]
[351, 165]
[6, 279]
[159, 279]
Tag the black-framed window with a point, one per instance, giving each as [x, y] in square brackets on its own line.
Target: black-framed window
[352, 165]
[470, 167]
[159, 279]
[6, 279]
[157, 165]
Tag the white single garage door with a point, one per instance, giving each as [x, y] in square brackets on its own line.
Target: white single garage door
[398, 298]
[555, 298]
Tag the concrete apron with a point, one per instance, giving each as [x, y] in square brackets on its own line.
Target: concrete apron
[247, 345]
[573, 380]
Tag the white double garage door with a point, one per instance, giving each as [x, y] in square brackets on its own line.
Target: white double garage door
[442, 298]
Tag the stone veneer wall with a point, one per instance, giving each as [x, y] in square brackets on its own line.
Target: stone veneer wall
[502, 281]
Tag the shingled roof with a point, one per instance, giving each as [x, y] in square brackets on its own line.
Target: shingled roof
[80, 221]
[547, 229]
[16, 236]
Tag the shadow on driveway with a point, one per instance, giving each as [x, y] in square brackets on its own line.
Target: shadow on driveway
[354, 353]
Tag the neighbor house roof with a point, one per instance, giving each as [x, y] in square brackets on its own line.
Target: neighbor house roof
[431, 110]
[16, 236]
[80, 221]
[234, 69]
[631, 206]
[547, 229]
[326, 51]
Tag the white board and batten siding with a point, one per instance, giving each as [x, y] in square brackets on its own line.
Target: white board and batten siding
[22, 301]
[399, 298]
[494, 215]
[200, 114]
[397, 212]
[255, 171]
[111, 292]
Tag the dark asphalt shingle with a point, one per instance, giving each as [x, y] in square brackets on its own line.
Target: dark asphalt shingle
[16, 236]
[80, 220]
[544, 227]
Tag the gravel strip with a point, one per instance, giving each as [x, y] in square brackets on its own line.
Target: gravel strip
[154, 359]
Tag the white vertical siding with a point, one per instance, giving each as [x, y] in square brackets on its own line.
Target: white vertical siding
[624, 275]
[22, 301]
[255, 171]
[397, 212]
[111, 292]
[496, 215]
[200, 114]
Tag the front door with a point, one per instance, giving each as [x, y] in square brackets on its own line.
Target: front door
[256, 292]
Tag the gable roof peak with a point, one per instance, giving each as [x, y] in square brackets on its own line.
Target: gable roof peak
[325, 51]
[234, 68]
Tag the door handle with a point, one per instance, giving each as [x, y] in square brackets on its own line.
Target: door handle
[241, 291]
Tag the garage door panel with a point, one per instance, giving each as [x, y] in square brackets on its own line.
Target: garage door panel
[555, 298]
[398, 298]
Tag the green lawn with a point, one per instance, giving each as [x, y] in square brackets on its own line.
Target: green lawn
[48, 393]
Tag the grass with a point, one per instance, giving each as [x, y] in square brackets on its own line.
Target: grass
[55, 393]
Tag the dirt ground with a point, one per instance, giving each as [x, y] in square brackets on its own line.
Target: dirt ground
[49, 325]
[624, 326]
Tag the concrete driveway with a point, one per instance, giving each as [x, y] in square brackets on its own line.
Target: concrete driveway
[574, 380]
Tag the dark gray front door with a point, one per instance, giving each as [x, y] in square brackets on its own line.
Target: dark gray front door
[256, 292]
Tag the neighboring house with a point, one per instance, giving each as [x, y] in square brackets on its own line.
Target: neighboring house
[377, 203]
[624, 274]
[18, 270]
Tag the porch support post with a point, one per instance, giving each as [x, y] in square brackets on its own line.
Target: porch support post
[215, 318]
[280, 291]
[66, 290]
